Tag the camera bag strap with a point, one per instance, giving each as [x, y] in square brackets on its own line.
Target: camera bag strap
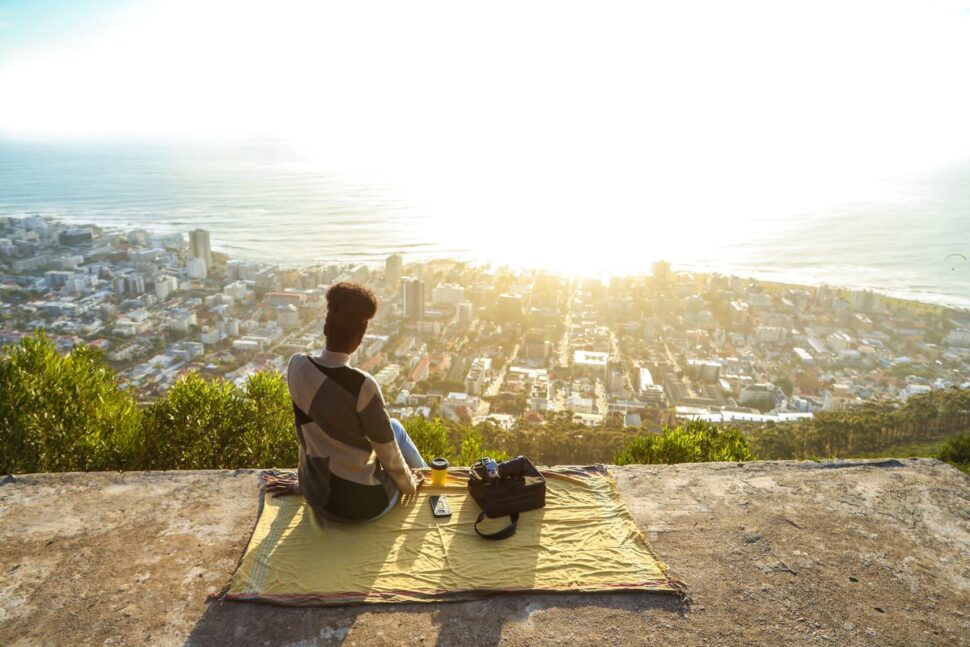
[504, 533]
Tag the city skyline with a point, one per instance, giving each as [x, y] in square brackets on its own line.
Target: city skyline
[469, 343]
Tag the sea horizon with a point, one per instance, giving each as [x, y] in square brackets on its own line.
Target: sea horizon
[908, 243]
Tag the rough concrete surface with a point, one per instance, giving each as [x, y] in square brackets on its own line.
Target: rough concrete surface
[847, 553]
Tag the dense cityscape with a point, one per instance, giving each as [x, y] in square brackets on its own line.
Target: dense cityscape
[475, 343]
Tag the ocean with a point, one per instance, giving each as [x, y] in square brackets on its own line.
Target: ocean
[262, 202]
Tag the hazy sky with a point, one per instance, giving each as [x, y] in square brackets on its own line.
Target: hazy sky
[755, 100]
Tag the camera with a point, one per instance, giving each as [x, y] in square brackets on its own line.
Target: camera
[512, 468]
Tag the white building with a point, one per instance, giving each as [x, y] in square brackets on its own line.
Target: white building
[839, 341]
[238, 290]
[839, 398]
[126, 351]
[182, 321]
[448, 294]
[247, 344]
[503, 420]
[579, 404]
[164, 286]
[212, 334]
[196, 268]
[587, 419]
[704, 370]
[187, 350]
[388, 374]
[455, 403]
[646, 379]
[288, 316]
[479, 375]
[174, 241]
[771, 335]
[913, 389]
[958, 337]
[432, 328]
[592, 362]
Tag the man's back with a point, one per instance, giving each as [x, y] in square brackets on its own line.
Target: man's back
[349, 459]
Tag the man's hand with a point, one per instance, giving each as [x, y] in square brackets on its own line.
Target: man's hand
[282, 485]
[419, 479]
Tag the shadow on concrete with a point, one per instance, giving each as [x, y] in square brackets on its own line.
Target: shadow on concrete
[475, 622]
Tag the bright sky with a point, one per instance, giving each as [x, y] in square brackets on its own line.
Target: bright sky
[597, 102]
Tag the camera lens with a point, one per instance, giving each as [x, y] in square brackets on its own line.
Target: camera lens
[513, 467]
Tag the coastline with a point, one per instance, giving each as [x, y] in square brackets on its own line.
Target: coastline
[937, 302]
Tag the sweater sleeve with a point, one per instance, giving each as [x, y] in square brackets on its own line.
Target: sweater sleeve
[377, 429]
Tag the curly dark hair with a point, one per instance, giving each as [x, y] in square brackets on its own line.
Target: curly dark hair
[349, 307]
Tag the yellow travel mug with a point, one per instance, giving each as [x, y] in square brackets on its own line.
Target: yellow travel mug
[439, 471]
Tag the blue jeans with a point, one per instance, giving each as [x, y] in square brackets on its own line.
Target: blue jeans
[410, 452]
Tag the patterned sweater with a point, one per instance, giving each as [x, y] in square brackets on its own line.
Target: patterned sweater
[350, 462]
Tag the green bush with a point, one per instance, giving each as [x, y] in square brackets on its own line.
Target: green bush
[63, 413]
[464, 446]
[68, 412]
[694, 441]
[211, 424]
[199, 424]
[560, 441]
[271, 426]
[430, 437]
[473, 449]
[957, 452]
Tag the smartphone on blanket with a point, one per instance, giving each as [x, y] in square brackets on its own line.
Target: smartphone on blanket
[439, 505]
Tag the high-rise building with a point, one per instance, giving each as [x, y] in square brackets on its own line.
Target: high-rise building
[199, 246]
[413, 294]
[392, 270]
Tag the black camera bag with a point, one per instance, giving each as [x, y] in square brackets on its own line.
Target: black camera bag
[503, 496]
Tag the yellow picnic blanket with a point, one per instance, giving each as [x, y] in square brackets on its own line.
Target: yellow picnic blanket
[584, 540]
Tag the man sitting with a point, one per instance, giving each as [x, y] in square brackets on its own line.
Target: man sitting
[354, 460]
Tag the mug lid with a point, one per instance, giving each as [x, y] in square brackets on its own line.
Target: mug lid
[439, 463]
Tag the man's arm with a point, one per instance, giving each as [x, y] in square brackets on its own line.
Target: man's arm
[377, 428]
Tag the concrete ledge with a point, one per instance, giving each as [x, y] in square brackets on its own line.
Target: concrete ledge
[841, 553]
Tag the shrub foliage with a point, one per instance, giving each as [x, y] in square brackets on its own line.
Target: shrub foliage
[694, 441]
[69, 413]
[63, 413]
[932, 416]
[957, 451]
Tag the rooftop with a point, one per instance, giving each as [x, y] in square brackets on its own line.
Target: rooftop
[850, 552]
[590, 358]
